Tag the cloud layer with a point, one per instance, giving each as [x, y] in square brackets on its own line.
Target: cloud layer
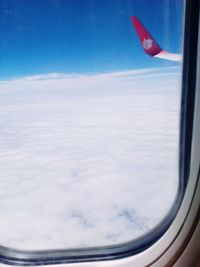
[87, 160]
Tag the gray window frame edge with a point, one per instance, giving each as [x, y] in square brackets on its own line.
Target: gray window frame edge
[154, 247]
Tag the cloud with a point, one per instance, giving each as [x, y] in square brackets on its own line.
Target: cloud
[87, 160]
[84, 80]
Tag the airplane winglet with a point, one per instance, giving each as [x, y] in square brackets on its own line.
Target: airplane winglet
[149, 44]
[147, 41]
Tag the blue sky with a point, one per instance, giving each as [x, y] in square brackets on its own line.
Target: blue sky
[90, 36]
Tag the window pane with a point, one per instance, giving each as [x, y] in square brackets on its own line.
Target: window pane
[89, 123]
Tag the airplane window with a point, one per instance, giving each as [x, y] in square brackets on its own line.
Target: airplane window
[90, 96]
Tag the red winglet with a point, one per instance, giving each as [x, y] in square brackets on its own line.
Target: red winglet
[149, 44]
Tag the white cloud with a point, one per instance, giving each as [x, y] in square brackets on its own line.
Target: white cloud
[87, 160]
[55, 79]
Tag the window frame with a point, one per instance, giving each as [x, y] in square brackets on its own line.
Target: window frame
[163, 243]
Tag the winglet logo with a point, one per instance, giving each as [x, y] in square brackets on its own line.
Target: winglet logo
[147, 44]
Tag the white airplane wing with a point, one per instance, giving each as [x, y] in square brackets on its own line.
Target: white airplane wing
[149, 44]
